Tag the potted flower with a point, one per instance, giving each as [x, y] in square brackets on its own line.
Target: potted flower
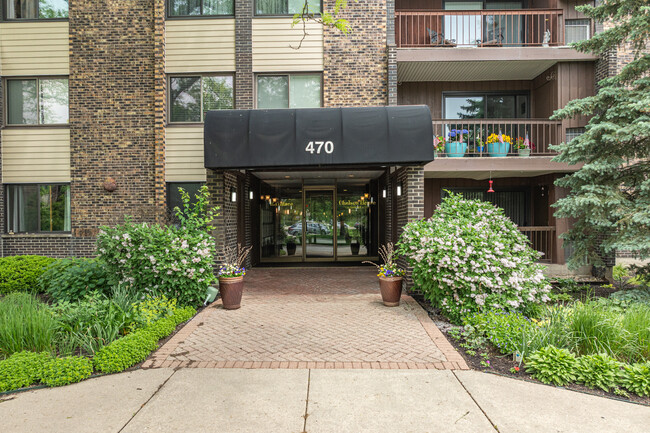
[438, 145]
[480, 146]
[231, 277]
[523, 146]
[457, 147]
[390, 276]
[498, 145]
[291, 245]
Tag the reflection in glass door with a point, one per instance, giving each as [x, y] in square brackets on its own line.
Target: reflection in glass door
[317, 224]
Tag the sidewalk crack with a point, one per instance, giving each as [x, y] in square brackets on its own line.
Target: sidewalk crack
[306, 415]
[475, 402]
[148, 400]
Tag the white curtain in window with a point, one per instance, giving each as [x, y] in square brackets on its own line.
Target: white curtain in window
[464, 29]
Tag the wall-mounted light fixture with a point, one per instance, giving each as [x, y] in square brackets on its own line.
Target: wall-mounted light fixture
[399, 189]
[233, 194]
[383, 193]
[251, 195]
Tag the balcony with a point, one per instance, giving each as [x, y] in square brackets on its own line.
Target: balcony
[541, 239]
[479, 28]
[542, 133]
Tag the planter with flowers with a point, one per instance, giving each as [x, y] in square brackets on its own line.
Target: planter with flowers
[458, 147]
[498, 145]
[231, 277]
[524, 146]
[390, 276]
[438, 145]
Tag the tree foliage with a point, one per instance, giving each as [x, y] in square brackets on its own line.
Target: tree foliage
[609, 196]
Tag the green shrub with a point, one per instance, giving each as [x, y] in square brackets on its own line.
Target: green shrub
[598, 371]
[504, 330]
[164, 260]
[469, 256]
[152, 308]
[22, 273]
[552, 365]
[636, 378]
[73, 278]
[64, 371]
[25, 324]
[632, 295]
[136, 347]
[22, 369]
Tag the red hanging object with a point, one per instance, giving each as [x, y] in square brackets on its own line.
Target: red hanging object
[491, 190]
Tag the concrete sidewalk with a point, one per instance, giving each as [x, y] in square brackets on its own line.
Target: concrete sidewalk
[316, 400]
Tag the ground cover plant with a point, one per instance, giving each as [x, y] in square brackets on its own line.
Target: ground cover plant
[175, 261]
[470, 257]
[22, 273]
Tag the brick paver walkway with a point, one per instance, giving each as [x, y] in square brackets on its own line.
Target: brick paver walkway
[310, 318]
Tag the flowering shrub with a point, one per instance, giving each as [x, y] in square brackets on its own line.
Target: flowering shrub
[164, 260]
[469, 256]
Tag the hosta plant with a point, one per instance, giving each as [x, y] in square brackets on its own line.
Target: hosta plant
[552, 365]
[636, 378]
[598, 371]
[469, 256]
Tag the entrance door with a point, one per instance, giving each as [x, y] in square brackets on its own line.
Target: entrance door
[318, 228]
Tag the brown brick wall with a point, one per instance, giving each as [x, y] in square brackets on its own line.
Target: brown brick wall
[116, 111]
[356, 64]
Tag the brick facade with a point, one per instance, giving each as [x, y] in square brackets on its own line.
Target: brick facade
[356, 64]
[116, 112]
[244, 54]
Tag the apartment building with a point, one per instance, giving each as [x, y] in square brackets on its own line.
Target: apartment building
[317, 146]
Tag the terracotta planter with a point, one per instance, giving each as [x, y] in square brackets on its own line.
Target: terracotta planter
[391, 290]
[231, 290]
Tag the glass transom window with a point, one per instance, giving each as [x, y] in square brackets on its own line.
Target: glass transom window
[289, 91]
[191, 97]
[37, 101]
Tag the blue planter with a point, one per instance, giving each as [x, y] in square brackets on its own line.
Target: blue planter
[480, 149]
[455, 149]
[498, 149]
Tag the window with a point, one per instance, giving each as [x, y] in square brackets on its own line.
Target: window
[286, 7]
[189, 8]
[174, 196]
[289, 91]
[572, 133]
[486, 106]
[191, 97]
[35, 9]
[38, 208]
[514, 203]
[576, 30]
[37, 101]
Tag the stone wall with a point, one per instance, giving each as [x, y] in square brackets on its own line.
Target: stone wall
[356, 63]
[116, 113]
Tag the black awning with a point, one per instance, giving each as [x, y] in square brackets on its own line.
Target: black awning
[315, 137]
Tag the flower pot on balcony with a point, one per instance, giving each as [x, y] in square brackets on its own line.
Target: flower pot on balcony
[480, 149]
[524, 152]
[455, 149]
[498, 149]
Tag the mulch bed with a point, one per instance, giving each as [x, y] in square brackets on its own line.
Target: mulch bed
[501, 364]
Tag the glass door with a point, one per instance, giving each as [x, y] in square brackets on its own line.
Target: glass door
[318, 229]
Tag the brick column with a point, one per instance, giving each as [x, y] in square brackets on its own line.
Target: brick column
[3, 223]
[160, 110]
[215, 183]
[244, 54]
[392, 52]
[410, 206]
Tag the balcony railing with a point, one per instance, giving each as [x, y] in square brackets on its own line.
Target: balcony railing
[541, 239]
[542, 133]
[479, 28]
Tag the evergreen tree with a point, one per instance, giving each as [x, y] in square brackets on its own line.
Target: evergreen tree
[610, 195]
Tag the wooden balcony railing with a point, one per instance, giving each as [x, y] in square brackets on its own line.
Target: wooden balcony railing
[542, 239]
[541, 133]
[479, 28]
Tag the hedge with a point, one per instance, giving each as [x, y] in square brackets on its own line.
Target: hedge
[22, 273]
